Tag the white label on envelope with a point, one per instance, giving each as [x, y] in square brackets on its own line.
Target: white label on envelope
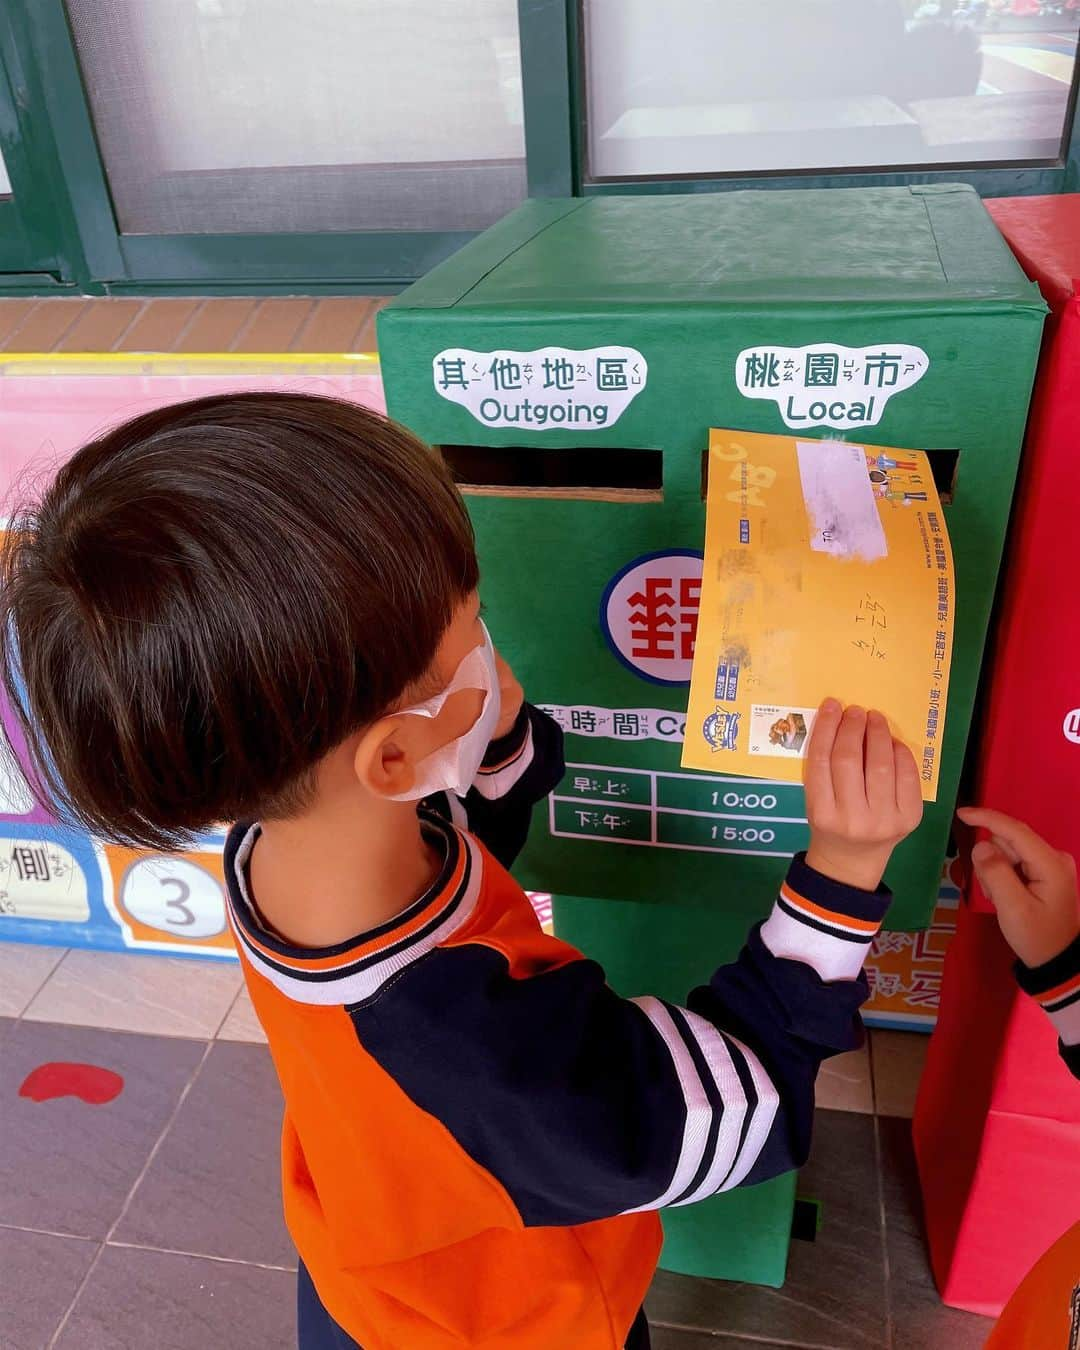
[840, 502]
[542, 390]
[825, 385]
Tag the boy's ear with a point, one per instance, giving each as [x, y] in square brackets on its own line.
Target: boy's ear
[382, 761]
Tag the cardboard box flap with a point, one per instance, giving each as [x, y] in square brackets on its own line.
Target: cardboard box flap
[875, 246]
[449, 283]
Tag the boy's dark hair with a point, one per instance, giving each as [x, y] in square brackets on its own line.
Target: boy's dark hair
[211, 597]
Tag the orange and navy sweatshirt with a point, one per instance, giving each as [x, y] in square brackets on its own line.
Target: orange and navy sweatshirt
[479, 1132]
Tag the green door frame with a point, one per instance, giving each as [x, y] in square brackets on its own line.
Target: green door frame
[60, 228]
[1019, 181]
[374, 262]
[38, 251]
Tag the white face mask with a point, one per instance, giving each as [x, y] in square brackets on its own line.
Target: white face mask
[453, 767]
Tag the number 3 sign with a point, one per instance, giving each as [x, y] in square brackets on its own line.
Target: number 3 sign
[173, 903]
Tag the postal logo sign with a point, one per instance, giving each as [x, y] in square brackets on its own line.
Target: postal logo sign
[542, 390]
[649, 615]
[829, 386]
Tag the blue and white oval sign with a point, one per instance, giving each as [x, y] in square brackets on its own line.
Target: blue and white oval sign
[649, 615]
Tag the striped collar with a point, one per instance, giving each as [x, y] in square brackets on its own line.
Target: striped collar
[355, 971]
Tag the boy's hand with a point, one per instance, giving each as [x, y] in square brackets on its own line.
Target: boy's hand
[511, 695]
[1030, 884]
[862, 795]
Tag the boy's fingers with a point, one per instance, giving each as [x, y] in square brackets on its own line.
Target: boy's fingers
[848, 772]
[1007, 849]
[819, 753]
[998, 877]
[981, 819]
[1039, 860]
[880, 764]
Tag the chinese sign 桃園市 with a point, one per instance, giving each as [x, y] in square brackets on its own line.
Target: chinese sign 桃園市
[828, 573]
[829, 386]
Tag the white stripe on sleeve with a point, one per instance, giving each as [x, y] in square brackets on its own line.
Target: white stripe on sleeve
[730, 1163]
[833, 957]
[714, 1047]
[698, 1110]
[768, 1103]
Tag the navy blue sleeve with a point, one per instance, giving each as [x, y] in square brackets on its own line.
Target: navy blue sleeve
[1055, 986]
[519, 770]
[584, 1105]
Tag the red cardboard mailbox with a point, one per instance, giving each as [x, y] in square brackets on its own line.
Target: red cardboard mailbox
[997, 1125]
[1027, 746]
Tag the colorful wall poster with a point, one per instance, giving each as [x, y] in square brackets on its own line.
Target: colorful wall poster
[904, 970]
[59, 887]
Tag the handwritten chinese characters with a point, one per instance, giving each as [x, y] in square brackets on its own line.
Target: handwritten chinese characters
[871, 615]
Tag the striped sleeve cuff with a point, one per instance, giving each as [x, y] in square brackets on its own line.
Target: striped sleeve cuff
[731, 1104]
[507, 759]
[1055, 986]
[823, 923]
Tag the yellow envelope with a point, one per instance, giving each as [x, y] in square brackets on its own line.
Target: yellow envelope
[828, 573]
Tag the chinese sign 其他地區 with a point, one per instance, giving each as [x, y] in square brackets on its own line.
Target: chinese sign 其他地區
[542, 390]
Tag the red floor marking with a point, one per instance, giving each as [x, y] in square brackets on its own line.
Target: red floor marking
[92, 1085]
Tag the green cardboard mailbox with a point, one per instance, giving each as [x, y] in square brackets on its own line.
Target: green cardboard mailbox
[570, 362]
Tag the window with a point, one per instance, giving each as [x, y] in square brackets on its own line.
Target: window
[355, 144]
[735, 87]
[318, 116]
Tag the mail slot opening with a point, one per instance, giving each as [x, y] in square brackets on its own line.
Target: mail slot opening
[594, 473]
[944, 465]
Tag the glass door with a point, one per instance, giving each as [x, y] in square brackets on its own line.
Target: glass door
[263, 140]
[903, 89]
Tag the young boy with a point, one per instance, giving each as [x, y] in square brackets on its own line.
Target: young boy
[263, 608]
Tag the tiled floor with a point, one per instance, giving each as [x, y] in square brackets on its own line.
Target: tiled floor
[153, 1222]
